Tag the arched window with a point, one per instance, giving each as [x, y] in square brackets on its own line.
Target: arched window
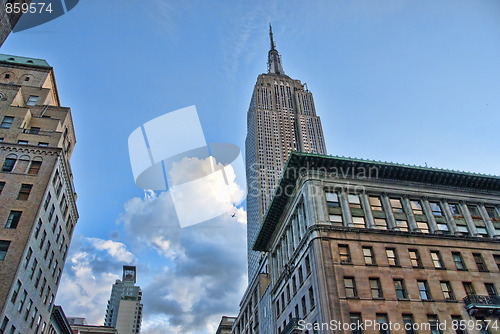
[9, 163]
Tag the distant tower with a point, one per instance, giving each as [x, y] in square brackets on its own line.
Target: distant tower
[281, 119]
[124, 310]
[37, 198]
[9, 17]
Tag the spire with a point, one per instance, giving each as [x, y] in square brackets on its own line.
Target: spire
[273, 57]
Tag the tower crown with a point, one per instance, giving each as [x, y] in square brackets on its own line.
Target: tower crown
[273, 57]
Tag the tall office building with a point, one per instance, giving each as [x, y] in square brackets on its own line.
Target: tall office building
[359, 245]
[37, 198]
[281, 119]
[9, 16]
[124, 310]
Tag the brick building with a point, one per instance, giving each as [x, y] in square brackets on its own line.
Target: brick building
[37, 198]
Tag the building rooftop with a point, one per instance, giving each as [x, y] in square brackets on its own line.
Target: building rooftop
[18, 60]
[343, 168]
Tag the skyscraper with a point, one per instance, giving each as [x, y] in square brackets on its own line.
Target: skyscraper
[124, 310]
[37, 198]
[281, 119]
[9, 16]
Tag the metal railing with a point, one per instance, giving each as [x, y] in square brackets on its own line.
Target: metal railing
[482, 301]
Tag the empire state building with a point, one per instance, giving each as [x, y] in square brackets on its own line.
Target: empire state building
[281, 119]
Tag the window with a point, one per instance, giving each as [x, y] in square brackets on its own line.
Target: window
[15, 292]
[458, 324]
[47, 201]
[8, 164]
[4, 247]
[22, 142]
[423, 227]
[485, 326]
[474, 211]
[13, 219]
[44, 283]
[22, 301]
[481, 230]
[402, 225]
[28, 309]
[311, 298]
[32, 100]
[459, 261]
[497, 260]
[415, 258]
[42, 144]
[369, 256]
[375, 203]
[28, 257]
[469, 288]
[493, 214]
[409, 324]
[2, 184]
[423, 288]
[354, 202]
[434, 324]
[33, 268]
[356, 323]
[350, 287]
[34, 167]
[376, 288]
[490, 289]
[416, 207]
[455, 210]
[6, 122]
[308, 265]
[478, 258]
[304, 307]
[42, 239]
[396, 205]
[24, 192]
[436, 209]
[332, 201]
[447, 291]
[37, 277]
[383, 324]
[358, 222]
[344, 254]
[380, 223]
[34, 130]
[436, 260]
[392, 257]
[3, 326]
[443, 227]
[399, 285]
[51, 212]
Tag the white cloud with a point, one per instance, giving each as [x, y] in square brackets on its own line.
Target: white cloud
[116, 249]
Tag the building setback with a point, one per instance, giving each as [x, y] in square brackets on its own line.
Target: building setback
[359, 242]
[124, 310]
[37, 196]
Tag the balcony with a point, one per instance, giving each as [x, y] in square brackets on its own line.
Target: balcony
[482, 305]
[292, 327]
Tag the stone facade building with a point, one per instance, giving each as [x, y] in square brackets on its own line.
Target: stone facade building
[8, 20]
[366, 244]
[37, 198]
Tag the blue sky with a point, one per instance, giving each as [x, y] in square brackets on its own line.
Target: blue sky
[413, 82]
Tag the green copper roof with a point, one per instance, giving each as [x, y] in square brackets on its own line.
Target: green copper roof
[18, 60]
[335, 166]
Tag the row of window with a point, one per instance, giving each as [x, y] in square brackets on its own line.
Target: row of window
[351, 290]
[26, 165]
[398, 211]
[25, 142]
[303, 306]
[415, 258]
[295, 283]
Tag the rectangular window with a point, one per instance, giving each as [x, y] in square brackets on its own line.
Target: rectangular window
[447, 291]
[497, 260]
[34, 167]
[38, 227]
[51, 212]
[22, 301]
[22, 142]
[436, 260]
[8, 164]
[458, 324]
[402, 225]
[350, 287]
[416, 262]
[28, 309]
[399, 285]
[369, 256]
[344, 254]
[4, 247]
[383, 324]
[478, 258]
[423, 227]
[469, 288]
[2, 184]
[354, 202]
[37, 277]
[33, 268]
[13, 219]
[396, 205]
[443, 227]
[375, 203]
[47, 201]
[434, 324]
[15, 292]
[409, 324]
[423, 288]
[24, 192]
[311, 298]
[380, 223]
[332, 200]
[42, 239]
[416, 207]
[308, 265]
[459, 261]
[34, 130]
[3, 326]
[493, 214]
[28, 257]
[474, 211]
[6, 122]
[392, 257]
[436, 209]
[356, 323]
[455, 210]
[358, 222]
[32, 100]
[490, 288]
[376, 288]
[304, 307]
[44, 283]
